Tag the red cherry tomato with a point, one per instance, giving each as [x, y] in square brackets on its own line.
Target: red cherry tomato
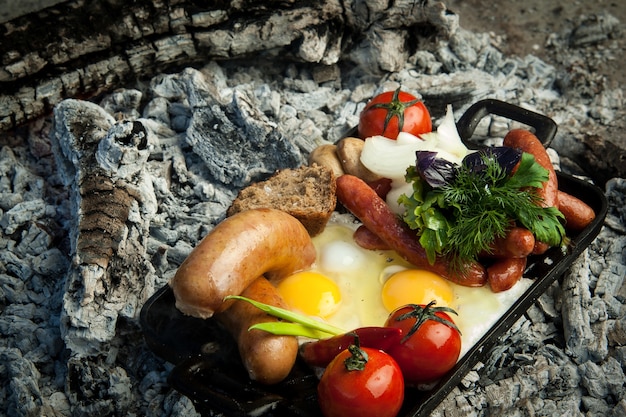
[376, 390]
[392, 112]
[431, 345]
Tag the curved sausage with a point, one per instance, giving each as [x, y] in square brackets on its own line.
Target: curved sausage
[505, 273]
[268, 358]
[518, 242]
[577, 213]
[382, 187]
[241, 248]
[540, 248]
[360, 199]
[527, 142]
[369, 240]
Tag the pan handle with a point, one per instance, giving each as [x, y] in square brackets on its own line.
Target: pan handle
[544, 127]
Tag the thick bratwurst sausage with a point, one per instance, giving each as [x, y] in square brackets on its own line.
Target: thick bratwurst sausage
[375, 214]
[241, 248]
[268, 358]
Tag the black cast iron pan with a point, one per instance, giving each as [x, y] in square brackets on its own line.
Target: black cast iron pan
[207, 368]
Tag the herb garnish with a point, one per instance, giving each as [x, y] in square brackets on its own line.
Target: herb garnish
[459, 210]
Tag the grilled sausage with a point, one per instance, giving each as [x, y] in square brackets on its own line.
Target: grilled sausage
[505, 273]
[577, 213]
[367, 239]
[238, 250]
[517, 243]
[382, 187]
[375, 214]
[268, 358]
[526, 141]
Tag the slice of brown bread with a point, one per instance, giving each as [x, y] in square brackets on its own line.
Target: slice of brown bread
[307, 193]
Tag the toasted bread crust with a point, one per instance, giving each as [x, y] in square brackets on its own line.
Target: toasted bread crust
[307, 193]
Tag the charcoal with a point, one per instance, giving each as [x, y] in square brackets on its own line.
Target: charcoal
[24, 212]
[595, 406]
[230, 140]
[12, 290]
[24, 379]
[594, 28]
[15, 266]
[604, 380]
[618, 410]
[123, 104]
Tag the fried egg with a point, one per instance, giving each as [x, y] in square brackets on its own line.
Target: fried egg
[351, 287]
[322, 297]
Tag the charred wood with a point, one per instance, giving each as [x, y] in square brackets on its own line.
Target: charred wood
[83, 48]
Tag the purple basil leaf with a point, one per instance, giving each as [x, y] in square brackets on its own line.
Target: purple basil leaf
[506, 157]
[437, 172]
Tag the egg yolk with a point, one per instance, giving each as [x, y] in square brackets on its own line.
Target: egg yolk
[311, 293]
[413, 286]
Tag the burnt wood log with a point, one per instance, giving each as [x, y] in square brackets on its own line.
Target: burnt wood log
[101, 163]
[82, 48]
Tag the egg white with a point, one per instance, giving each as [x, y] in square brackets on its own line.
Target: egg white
[360, 273]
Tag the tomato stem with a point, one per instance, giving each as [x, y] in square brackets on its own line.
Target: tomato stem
[422, 314]
[358, 357]
[395, 108]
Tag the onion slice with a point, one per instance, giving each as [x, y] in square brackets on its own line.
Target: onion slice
[390, 158]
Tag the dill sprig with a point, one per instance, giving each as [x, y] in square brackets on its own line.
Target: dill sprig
[463, 217]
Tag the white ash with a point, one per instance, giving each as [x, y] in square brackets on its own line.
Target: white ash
[70, 341]
[124, 149]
